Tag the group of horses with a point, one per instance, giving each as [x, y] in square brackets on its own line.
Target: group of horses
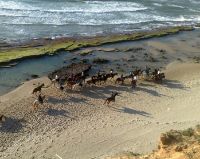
[83, 79]
[100, 78]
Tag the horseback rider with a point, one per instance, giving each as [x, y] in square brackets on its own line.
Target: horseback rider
[155, 71]
[147, 70]
[134, 81]
[131, 73]
[111, 71]
[82, 74]
[135, 78]
[57, 78]
[99, 74]
[158, 72]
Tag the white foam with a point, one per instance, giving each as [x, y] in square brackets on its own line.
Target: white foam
[13, 5]
[176, 6]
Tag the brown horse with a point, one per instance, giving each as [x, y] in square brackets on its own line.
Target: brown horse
[120, 79]
[158, 77]
[70, 84]
[38, 88]
[93, 80]
[38, 101]
[111, 75]
[103, 79]
[137, 72]
[2, 118]
[111, 98]
[133, 83]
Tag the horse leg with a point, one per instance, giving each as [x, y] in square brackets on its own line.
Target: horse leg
[35, 105]
[105, 102]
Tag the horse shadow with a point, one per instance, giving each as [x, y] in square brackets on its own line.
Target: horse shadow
[174, 84]
[78, 100]
[54, 100]
[102, 92]
[12, 125]
[150, 91]
[132, 111]
[56, 112]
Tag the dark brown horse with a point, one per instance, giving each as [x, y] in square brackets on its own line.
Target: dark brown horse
[70, 84]
[158, 77]
[137, 72]
[133, 83]
[120, 79]
[93, 80]
[38, 88]
[111, 75]
[103, 79]
[111, 98]
[2, 118]
[38, 101]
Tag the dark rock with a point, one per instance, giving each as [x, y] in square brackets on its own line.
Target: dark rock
[85, 61]
[100, 61]
[34, 76]
[73, 59]
[65, 72]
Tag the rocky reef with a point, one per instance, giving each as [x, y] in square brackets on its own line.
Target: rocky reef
[46, 46]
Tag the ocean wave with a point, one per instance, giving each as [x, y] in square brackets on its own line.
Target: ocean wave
[96, 21]
[157, 4]
[91, 7]
[176, 6]
[15, 5]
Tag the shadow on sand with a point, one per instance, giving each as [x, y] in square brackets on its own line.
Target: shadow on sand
[132, 111]
[174, 84]
[53, 100]
[150, 91]
[12, 125]
[56, 112]
[104, 91]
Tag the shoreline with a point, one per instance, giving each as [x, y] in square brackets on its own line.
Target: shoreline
[9, 56]
[133, 53]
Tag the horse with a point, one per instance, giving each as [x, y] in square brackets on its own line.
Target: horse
[111, 98]
[133, 83]
[137, 72]
[77, 86]
[38, 101]
[111, 75]
[38, 89]
[55, 80]
[120, 79]
[159, 77]
[83, 76]
[2, 118]
[103, 78]
[70, 84]
[93, 80]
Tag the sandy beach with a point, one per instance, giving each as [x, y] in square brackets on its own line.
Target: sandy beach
[76, 125]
